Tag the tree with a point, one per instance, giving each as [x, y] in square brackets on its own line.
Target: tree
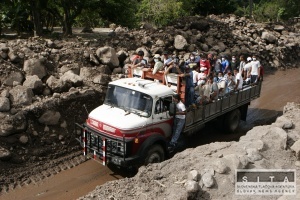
[160, 12]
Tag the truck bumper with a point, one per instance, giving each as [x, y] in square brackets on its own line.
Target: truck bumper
[124, 162]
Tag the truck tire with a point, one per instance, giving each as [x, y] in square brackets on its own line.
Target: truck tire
[232, 121]
[155, 154]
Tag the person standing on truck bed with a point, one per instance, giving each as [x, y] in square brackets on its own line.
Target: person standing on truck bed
[254, 71]
[178, 121]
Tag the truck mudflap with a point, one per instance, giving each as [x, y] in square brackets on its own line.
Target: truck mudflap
[108, 149]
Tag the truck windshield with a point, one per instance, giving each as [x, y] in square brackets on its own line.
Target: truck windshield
[129, 100]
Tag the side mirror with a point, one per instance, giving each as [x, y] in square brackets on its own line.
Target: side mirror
[172, 109]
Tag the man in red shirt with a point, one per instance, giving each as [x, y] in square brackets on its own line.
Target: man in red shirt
[205, 63]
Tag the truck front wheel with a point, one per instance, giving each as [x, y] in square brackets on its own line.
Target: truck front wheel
[232, 120]
[155, 154]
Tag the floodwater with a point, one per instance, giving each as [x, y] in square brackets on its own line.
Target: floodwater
[278, 88]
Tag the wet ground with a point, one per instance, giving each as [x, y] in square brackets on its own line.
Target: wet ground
[279, 88]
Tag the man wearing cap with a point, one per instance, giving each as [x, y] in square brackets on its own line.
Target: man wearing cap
[254, 70]
[158, 64]
[225, 65]
[247, 67]
[178, 121]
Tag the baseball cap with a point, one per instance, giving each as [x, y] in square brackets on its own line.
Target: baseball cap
[249, 59]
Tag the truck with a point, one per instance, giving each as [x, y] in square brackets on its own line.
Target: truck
[134, 124]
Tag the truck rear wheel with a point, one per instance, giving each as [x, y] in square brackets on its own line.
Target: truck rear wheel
[155, 154]
[232, 120]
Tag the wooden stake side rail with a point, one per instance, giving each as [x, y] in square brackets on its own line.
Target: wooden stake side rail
[171, 79]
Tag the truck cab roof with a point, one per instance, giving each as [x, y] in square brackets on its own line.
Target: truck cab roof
[152, 88]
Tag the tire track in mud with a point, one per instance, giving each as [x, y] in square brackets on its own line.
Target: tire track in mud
[42, 170]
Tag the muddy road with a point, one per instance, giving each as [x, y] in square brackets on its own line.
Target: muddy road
[279, 88]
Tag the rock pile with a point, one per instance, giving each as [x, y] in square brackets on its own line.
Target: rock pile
[208, 172]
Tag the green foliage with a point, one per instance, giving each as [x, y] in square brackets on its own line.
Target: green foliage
[161, 12]
[274, 10]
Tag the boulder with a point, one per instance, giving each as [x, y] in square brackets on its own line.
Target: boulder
[11, 124]
[193, 175]
[24, 139]
[72, 78]
[35, 67]
[269, 37]
[180, 42]
[50, 117]
[13, 57]
[272, 137]
[191, 186]
[102, 79]
[4, 104]
[208, 180]
[57, 85]
[74, 67]
[278, 28]
[21, 95]
[14, 77]
[107, 56]
[35, 83]
[220, 166]
[283, 122]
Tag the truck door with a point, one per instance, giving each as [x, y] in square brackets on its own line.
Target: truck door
[162, 121]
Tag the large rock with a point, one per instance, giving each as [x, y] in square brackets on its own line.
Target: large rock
[193, 175]
[208, 180]
[88, 73]
[35, 67]
[102, 79]
[57, 85]
[14, 77]
[50, 117]
[269, 37]
[11, 124]
[272, 137]
[4, 104]
[21, 95]
[191, 186]
[107, 56]
[35, 83]
[283, 122]
[180, 42]
[72, 78]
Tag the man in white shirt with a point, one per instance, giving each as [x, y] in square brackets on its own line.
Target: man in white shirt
[159, 65]
[238, 80]
[178, 121]
[247, 67]
[254, 71]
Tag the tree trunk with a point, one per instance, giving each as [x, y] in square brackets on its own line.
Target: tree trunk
[251, 8]
[36, 13]
[67, 23]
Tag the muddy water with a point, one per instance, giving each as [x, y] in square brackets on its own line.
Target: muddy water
[278, 89]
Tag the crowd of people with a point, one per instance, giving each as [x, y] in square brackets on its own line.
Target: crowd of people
[207, 77]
